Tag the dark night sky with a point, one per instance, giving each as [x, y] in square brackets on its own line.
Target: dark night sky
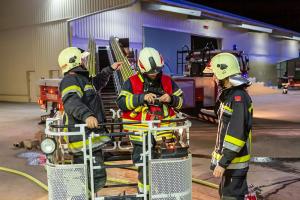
[283, 13]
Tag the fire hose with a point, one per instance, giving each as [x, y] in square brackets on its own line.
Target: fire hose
[31, 178]
[122, 181]
[44, 186]
[194, 180]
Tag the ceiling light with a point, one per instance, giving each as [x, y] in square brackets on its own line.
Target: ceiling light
[174, 9]
[296, 38]
[252, 27]
[256, 28]
[287, 37]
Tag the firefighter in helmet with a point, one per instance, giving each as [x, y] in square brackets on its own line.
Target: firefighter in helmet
[83, 105]
[231, 157]
[149, 95]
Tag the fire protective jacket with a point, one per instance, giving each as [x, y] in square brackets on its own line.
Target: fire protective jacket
[80, 100]
[233, 144]
[131, 102]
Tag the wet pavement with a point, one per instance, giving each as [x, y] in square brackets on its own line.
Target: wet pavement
[276, 147]
[276, 135]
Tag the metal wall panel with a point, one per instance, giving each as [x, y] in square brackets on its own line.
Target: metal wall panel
[263, 49]
[129, 22]
[16, 13]
[32, 33]
[32, 49]
[126, 22]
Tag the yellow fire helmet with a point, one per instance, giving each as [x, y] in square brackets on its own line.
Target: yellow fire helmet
[150, 61]
[69, 58]
[224, 65]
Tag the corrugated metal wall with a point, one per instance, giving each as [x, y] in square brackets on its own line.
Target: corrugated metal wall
[32, 33]
[129, 22]
[263, 49]
[49, 39]
[16, 13]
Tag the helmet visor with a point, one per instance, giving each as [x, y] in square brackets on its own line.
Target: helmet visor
[154, 70]
[237, 80]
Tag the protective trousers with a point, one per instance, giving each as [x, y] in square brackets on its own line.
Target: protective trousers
[137, 158]
[99, 174]
[233, 186]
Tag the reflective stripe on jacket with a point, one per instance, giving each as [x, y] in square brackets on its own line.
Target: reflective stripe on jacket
[131, 101]
[233, 144]
[80, 100]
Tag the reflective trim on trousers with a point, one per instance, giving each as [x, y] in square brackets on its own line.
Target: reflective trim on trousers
[141, 187]
[232, 165]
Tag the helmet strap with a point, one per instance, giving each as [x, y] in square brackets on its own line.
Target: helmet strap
[224, 83]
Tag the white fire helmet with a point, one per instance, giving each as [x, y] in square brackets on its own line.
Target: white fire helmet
[70, 58]
[150, 61]
[225, 65]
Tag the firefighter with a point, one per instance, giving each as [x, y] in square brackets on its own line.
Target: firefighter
[83, 105]
[285, 83]
[230, 159]
[149, 95]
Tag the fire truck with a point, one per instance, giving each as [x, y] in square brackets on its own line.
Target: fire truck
[50, 99]
[198, 83]
[288, 73]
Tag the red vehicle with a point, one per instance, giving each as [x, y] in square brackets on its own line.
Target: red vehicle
[198, 84]
[50, 98]
[288, 72]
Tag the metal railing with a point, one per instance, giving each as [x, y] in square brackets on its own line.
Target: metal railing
[56, 130]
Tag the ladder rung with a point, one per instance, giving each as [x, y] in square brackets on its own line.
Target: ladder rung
[109, 93]
[119, 197]
[114, 166]
[117, 158]
[121, 185]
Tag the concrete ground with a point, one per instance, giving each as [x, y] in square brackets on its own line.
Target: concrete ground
[276, 134]
[18, 122]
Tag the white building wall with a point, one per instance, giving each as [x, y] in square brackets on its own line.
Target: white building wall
[16, 13]
[263, 50]
[32, 33]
